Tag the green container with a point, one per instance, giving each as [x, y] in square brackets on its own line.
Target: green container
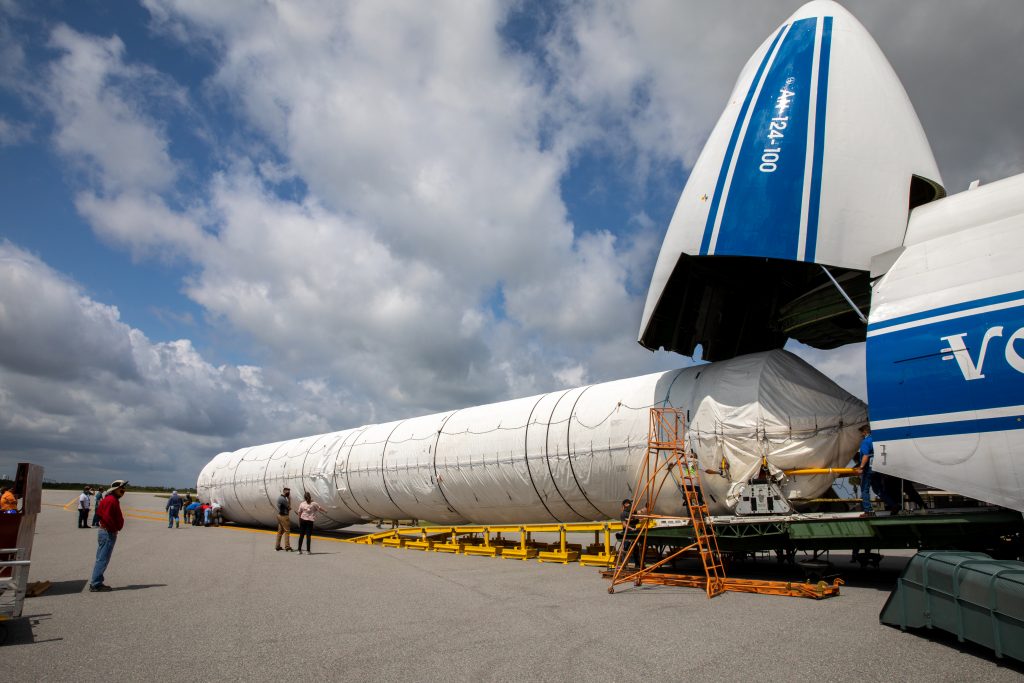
[968, 594]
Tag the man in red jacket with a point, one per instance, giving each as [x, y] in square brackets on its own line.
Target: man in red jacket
[111, 522]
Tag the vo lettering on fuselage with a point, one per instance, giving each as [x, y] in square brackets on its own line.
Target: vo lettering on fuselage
[958, 351]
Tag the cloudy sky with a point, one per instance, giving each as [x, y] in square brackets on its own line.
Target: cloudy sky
[228, 223]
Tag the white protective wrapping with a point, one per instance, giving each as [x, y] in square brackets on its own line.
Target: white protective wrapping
[566, 456]
[772, 405]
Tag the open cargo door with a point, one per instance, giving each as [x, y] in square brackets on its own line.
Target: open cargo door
[817, 160]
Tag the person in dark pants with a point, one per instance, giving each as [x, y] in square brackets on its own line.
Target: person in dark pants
[84, 502]
[96, 508]
[197, 513]
[190, 512]
[869, 479]
[307, 515]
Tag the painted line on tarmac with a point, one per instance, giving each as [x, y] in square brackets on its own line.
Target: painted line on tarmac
[155, 512]
[154, 519]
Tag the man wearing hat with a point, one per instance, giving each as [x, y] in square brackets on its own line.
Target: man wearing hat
[284, 525]
[111, 522]
[84, 501]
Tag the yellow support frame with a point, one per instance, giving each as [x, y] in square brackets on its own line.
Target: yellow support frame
[490, 541]
[564, 555]
[523, 550]
[486, 548]
[393, 542]
[450, 544]
[599, 554]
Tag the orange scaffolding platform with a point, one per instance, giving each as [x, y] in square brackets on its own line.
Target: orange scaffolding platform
[668, 460]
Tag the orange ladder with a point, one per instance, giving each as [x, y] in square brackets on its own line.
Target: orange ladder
[703, 533]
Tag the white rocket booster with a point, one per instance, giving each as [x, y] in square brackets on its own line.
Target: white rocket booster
[566, 456]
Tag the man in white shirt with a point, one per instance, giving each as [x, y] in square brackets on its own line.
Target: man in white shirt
[84, 502]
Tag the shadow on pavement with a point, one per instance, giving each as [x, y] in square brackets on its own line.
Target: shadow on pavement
[65, 587]
[825, 569]
[967, 647]
[138, 586]
[339, 534]
[19, 631]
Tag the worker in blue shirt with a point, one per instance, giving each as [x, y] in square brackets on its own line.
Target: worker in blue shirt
[868, 479]
[96, 511]
[192, 510]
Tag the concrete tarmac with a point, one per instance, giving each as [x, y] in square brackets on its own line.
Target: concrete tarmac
[221, 604]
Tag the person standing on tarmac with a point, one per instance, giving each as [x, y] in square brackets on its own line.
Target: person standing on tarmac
[307, 515]
[111, 522]
[84, 501]
[173, 507]
[284, 525]
[96, 507]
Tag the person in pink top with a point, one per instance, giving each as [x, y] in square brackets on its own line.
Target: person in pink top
[307, 515]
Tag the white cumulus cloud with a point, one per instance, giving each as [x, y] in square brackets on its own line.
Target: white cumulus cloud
[82, 390]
